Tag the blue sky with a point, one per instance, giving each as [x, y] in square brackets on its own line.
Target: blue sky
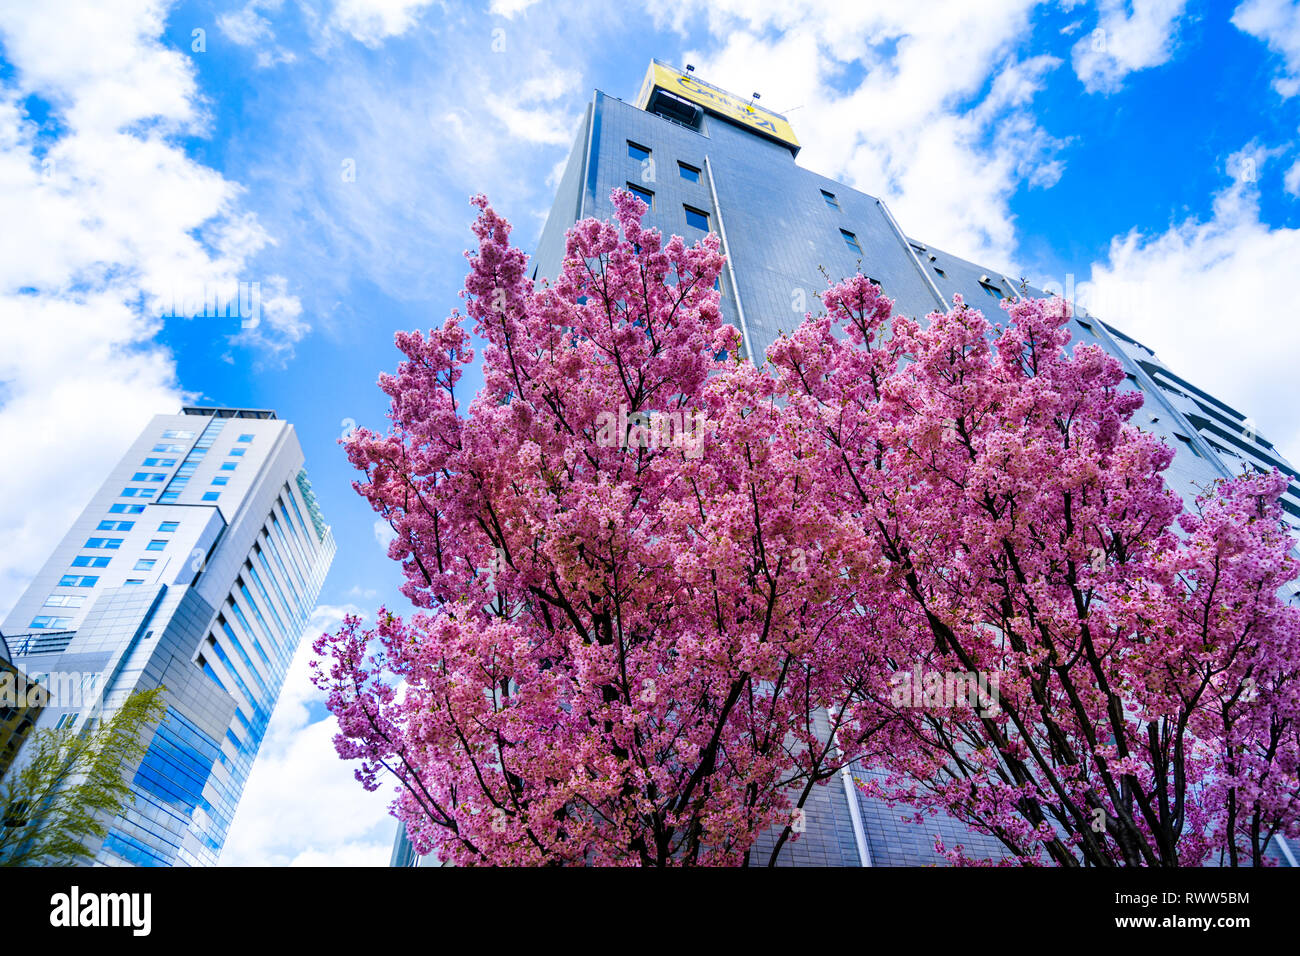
[1147, 148]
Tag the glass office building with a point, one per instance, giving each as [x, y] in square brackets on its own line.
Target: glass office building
[704, 159]
[195, 567]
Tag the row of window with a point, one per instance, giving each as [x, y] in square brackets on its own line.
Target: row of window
[270, 629]
[696, 218]
[143, 564]
[54, 623]
[113, 544]
[176, 433]
[113, 524]
[194, 459]
[642, 155]
[850, 238]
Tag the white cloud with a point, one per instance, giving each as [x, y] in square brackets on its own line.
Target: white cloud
[474, 116]
[1277, 23]
[1291, 179]
[107, 218]
[528, 112]
[280, 324]
[1124, 42]
[373, 21]
[384, 534]
[246, 26]
[100, 61]
[301, 805]
[509, 8]
[1204, 296]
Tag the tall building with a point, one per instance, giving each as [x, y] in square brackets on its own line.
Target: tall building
[706, 160]
[195, 567]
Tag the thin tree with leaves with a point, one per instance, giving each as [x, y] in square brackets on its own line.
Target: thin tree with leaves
[58, 804]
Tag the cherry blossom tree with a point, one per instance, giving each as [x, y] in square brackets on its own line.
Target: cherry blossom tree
[664, 592]
[630, 648]
[1142, 662]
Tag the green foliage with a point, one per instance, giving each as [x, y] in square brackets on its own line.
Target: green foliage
[73, 784]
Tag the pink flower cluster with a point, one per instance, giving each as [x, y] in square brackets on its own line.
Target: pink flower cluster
[649, 654]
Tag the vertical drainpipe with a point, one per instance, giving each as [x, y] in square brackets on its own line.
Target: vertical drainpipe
[731, 272]
[1286, 849]
[915, 259]
[855, 811]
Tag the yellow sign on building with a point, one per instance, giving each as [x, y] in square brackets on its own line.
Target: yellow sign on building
[714, 100]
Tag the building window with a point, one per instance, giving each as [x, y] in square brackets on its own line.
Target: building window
[992, 290]
[51, 622]
[145, 564]
[148, 476]
[157, 544]
[211, 495]
[696, 218]
[137, 493]
[65, 600]
[169, 496]
[229, 465]
[158, 462]
[169, 526]
[109, 543]
[125, 509]
[169, 449]
[688, 172]
[851, 241]
[1190, 445]
[221, 481]
[637, 152]
[237, 451]
[86, 561]
[645, 195]
[134, 581]
[177, 433]
[245, 438]
[830, 199]
[942, 274]
[78, 581]
[115, 526]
